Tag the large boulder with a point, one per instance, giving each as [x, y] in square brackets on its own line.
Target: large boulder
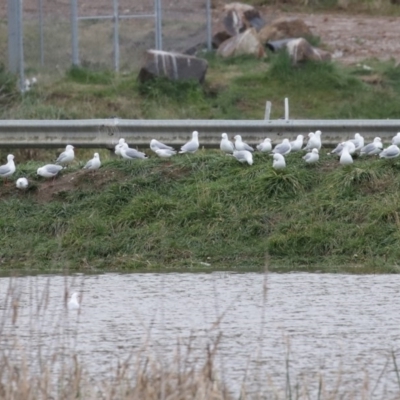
[300, 50]
[239, 17]
[175, 66]
[244, 43]
[283, 28]
[219, 38]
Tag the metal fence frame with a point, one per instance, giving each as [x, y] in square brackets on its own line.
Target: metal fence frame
[15, 32]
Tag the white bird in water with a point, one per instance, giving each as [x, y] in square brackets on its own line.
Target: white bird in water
[396, 139]
[297, 144]
[165, 153]
[372, 148]
[311, 157]
[49, 170]
[131, 154]
[240, 145]
[73, 303]
[67, 156]
[226, 145]
[283, 148]
[118, 146]
[390, 152]
[8, 169]
[265, 146]
[314, 141]
[243, 156]
[22, 183]
[279, 161]
[94, 163]
[192, 145]
[345, 157]
[156, 145]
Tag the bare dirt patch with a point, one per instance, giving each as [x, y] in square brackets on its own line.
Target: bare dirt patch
[44, 191]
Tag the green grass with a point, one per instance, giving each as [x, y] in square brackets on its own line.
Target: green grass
[234, 89]
[206, 208]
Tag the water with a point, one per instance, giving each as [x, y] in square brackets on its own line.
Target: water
[340, 327]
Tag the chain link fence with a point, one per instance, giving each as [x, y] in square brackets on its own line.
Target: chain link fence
[102, 40]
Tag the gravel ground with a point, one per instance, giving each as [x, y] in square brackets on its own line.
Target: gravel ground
[351, 38]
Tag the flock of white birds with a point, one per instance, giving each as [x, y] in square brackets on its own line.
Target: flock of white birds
[344, 150]
[238, 149]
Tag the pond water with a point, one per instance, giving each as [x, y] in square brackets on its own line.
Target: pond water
[341, 329]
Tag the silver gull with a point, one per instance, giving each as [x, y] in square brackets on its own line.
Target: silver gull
[192, 145]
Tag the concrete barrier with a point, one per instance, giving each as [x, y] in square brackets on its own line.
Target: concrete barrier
[98, 133]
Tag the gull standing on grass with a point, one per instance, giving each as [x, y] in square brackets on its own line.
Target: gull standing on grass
[8, 169]
[165, 153]
[156, 145]
[265, 146]
[351, 147]
[243, 156]
[358, 142]
[67, 156]
[283, 148]
[226, 145]
[240, 145]
[396, 139]
[131, 154]
[73, 303]
[279, 161]
[192, 145]
[372, 148]
[312, 157]
[22, 183]
[297, 144]
[314, 141]
[94, 163]
[118, 146]
[390, 152]
[345, 157]
[49, 170]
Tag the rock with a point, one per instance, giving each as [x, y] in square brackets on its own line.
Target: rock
[240, 16]
[254, 19]
[244, 43]
[175, 66]
[220, 37]
[300, 50]
[284, 28]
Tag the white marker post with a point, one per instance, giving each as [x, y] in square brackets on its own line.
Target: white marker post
[268, 106]
[286, 109]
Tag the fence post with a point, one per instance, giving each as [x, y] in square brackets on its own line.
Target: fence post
[158, 23]
[41, 32]
[74, 32]
[21, 46]
[116, 35]
[209, 29]
[16, 40]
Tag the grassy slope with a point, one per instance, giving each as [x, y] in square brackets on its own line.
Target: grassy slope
[234, 89]
[208, 208]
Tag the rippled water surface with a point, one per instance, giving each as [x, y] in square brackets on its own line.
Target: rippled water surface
[341, 327]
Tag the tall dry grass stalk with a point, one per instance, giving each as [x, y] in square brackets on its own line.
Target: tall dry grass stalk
[31, 369]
